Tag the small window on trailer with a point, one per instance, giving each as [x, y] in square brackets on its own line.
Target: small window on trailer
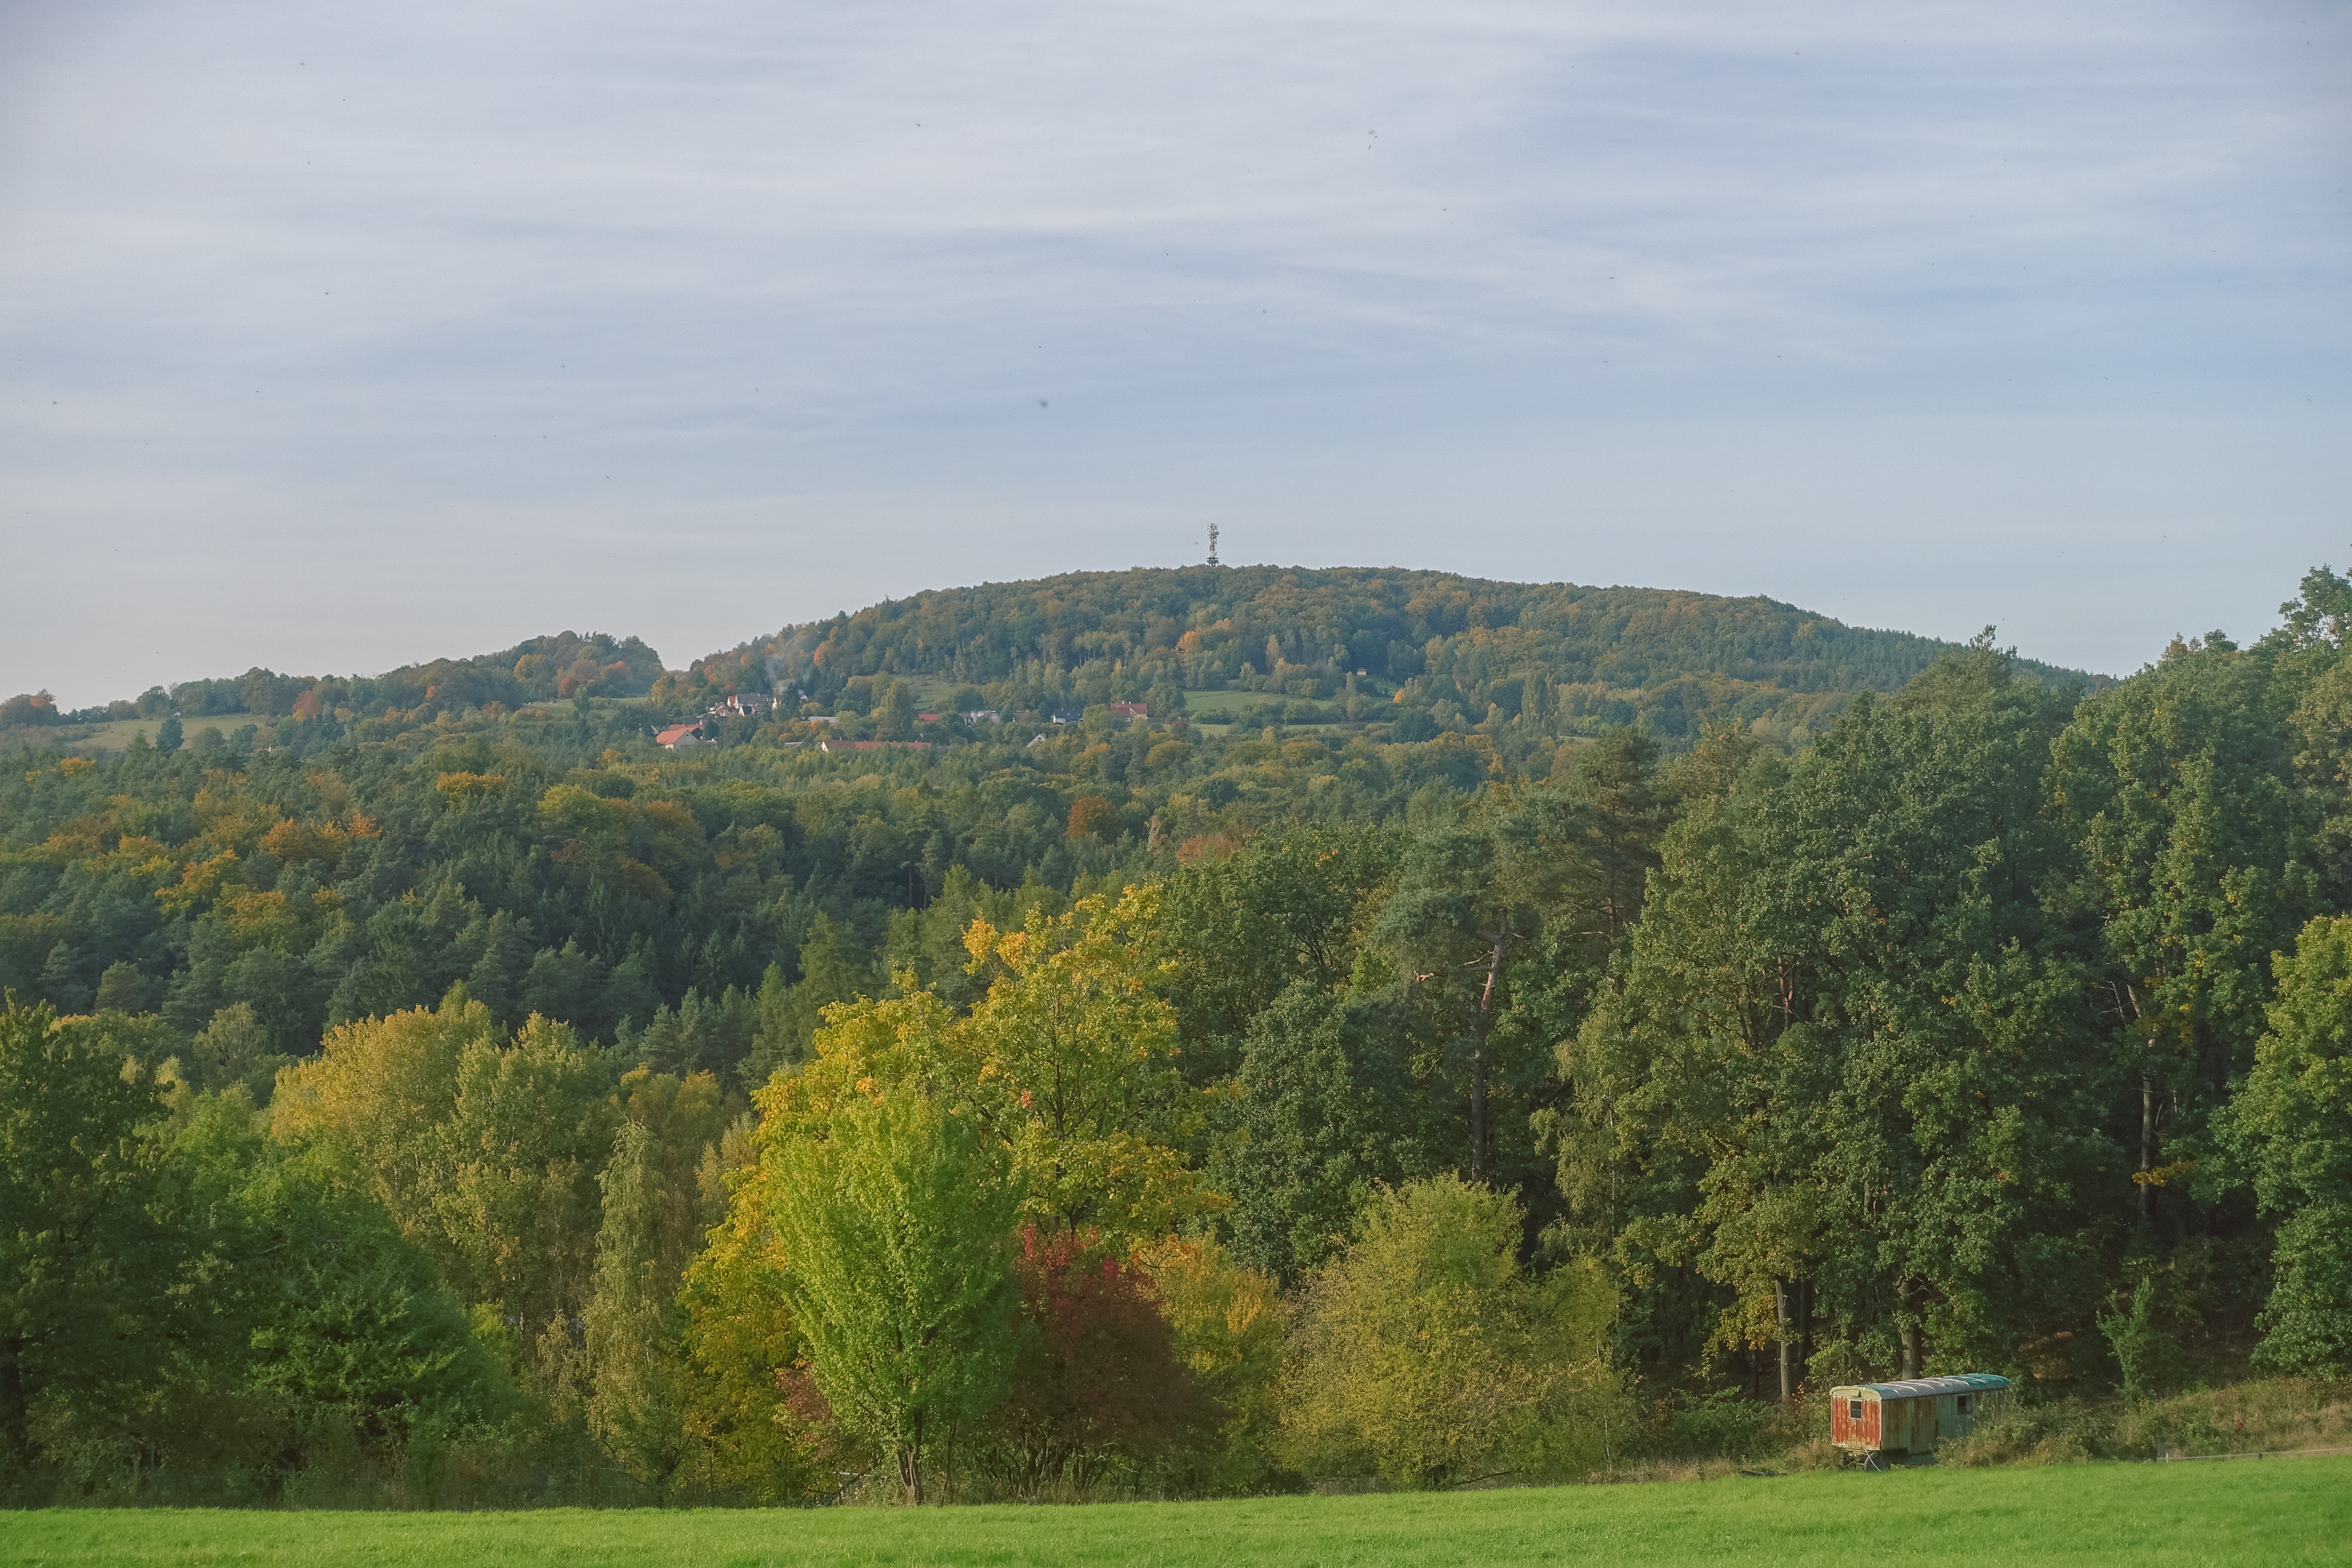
[1962, 1403]
[1854, 1409]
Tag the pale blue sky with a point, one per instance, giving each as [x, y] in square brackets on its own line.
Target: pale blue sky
[331, 340]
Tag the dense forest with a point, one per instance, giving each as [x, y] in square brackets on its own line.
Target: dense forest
[432, 1089]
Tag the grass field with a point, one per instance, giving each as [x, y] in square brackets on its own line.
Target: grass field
[1218, 707]
[2267, 1512]
[115, 734]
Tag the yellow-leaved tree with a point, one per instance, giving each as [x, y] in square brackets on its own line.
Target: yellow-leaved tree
[1070, 1060]
[1075, 1060]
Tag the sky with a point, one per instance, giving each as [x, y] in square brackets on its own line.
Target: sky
[335, 338]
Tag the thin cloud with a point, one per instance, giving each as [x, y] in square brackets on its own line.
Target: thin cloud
[727, 272]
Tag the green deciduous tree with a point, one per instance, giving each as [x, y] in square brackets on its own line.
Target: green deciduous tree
[485, 1149]
[2292, 1128]
[1325, 1110]
[1850, 1045]
[741, 1343]
[234, 1048]
[89, 1268]
[635, 1406]
[1288, 907]
[1472, 891]
[1074, 1061]
[2180, 788]
[896, 1229]
[347, 1316]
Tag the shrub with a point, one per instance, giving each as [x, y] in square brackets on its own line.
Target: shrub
[1424, 1355]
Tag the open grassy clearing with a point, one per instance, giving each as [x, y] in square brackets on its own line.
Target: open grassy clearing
[115, 733]
[1224, 729]
[1216, 707]
[2267, 1512]
[560, 707]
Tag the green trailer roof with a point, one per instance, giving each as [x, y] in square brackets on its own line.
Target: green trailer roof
[1923, 1387]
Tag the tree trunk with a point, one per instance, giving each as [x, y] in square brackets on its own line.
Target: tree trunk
[1781, 1290]
[1478, 1058]
[1910, 1350]
[1478, 1104]
[1805, 1321]
[911, 1465]
[2146, 1140]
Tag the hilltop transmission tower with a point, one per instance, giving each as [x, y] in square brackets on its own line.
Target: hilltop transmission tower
[1212, 544]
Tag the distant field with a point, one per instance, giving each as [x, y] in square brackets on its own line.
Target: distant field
[2267, 1512]
[115, 734]
[1202, 704]
[1225, 708]
[560, 707]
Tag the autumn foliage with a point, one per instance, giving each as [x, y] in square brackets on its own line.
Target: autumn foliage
[1090, 815]
[29, 708]
[1098, 1382]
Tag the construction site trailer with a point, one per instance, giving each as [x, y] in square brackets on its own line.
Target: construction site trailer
[1899, 1420]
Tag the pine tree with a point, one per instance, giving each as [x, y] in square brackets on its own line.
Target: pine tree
[122, 989]
[833, 968]
[673, 1041]
[565, 984]
[61, 982]
[498, 978]
[629, 995]
[775, 1037]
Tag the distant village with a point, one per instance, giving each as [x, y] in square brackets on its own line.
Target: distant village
[753, 705]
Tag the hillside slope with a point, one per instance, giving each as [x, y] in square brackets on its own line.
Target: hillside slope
[1455, 646]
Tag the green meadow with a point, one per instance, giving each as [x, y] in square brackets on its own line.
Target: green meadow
[2256, 1512]
[114, 734]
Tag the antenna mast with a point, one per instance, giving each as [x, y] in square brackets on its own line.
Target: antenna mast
[1212, 544]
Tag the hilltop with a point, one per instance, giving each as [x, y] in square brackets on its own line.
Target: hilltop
[1452, 646]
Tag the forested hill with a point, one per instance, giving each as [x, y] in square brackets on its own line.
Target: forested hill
[563, 666]
[1426, 652]
[1663, 657]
